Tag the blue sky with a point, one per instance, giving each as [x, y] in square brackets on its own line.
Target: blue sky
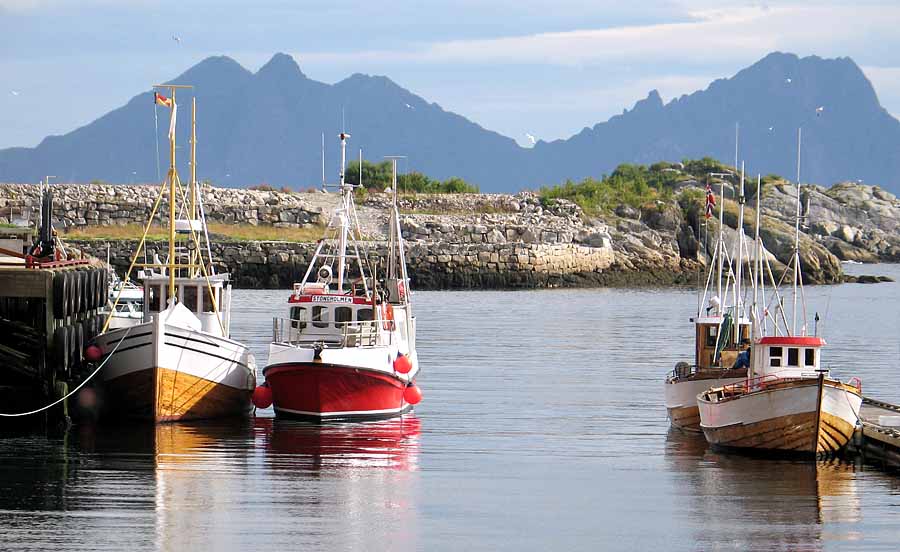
[547, 68]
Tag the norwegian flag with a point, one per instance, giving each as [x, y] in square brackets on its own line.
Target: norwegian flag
[710, 201]
[159, 99]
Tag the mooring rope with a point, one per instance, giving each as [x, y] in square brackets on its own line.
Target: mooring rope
[51, 405]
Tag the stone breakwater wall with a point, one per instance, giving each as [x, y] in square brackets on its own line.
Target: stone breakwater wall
[431, 265]
[105, 205]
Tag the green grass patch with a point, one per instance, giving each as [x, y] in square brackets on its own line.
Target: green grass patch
[239, 232]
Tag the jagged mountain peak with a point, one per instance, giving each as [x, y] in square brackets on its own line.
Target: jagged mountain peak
[267, 127]
[281, 65]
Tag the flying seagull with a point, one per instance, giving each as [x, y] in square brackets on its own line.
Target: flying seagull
[14, 92]
[176, 38]
[531, 138]
[820, 110]
[409, 106]
[788, 80]
[771, 129]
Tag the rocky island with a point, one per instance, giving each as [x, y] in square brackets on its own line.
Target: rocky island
[530, 239]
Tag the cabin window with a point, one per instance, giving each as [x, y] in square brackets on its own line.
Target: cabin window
[298, 317]
[775, 354]
[189, 297]
[364, 315]
[793, 357]
[810, 357]
[711, 334]
[208, 301]
[320, 317]
[342, 315]
[155, 295]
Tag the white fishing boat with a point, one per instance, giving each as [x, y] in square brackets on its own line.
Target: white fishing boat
[178, 363]
[347, 350]
[788, 402]
[721, 328]
[125, 300]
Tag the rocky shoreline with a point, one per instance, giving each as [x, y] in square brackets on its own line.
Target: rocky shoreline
[496, 241]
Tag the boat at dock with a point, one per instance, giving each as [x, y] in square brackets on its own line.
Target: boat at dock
[347, 350]
[788, 401]
[125, 300]
[178, 362]
[721, 329]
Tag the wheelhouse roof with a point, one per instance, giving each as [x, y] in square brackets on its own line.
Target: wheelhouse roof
[802, 341]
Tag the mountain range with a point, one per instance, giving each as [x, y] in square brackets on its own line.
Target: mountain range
[266, 127]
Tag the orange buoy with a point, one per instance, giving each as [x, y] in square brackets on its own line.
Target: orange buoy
[402, 364]
[262, 396]
[412, 394]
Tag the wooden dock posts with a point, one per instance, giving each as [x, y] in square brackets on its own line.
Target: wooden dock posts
[49, 312]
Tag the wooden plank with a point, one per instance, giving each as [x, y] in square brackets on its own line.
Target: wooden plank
[24, 282]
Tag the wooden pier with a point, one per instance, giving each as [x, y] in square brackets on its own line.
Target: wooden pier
[49, 313]
[877, 439]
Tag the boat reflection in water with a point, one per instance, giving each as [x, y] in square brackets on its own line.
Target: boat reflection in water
[390, 444]
[220, 486]
[743, 502]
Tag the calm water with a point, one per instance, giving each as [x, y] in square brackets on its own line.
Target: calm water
[542, 428]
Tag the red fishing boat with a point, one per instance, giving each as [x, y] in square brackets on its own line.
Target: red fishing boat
[347, 349]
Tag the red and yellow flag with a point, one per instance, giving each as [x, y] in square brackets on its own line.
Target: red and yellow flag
[162, 100]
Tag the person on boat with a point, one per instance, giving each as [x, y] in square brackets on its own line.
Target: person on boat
[742, 360]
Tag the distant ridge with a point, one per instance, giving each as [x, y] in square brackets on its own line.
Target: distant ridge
[266, 127]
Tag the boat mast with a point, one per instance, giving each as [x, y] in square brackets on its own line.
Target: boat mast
[345, 214]
[797, 235]
[196, 255]
[173, 185]
[738, 300]
[758, 281]
[720, 246]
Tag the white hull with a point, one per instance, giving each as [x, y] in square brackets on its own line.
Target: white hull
[786, 416]
[681, 400]
[210, 368]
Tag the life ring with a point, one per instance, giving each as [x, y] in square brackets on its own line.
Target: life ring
[387, 316]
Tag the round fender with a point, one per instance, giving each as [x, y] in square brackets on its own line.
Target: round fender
[59, 295]
[61, 349]
[73, 292]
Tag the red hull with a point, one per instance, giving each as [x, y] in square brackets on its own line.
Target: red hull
[330, 392]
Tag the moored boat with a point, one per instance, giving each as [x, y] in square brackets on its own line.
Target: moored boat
[178, 361]
[789, 402]
[790, 405]
[347, 350]
[721, 331]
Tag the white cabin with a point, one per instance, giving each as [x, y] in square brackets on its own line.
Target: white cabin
[787, 357]
[194, 294]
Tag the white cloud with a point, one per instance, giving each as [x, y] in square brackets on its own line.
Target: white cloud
[710, 36]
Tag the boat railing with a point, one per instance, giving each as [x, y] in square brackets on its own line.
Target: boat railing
[752, 384]
[361, 333]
